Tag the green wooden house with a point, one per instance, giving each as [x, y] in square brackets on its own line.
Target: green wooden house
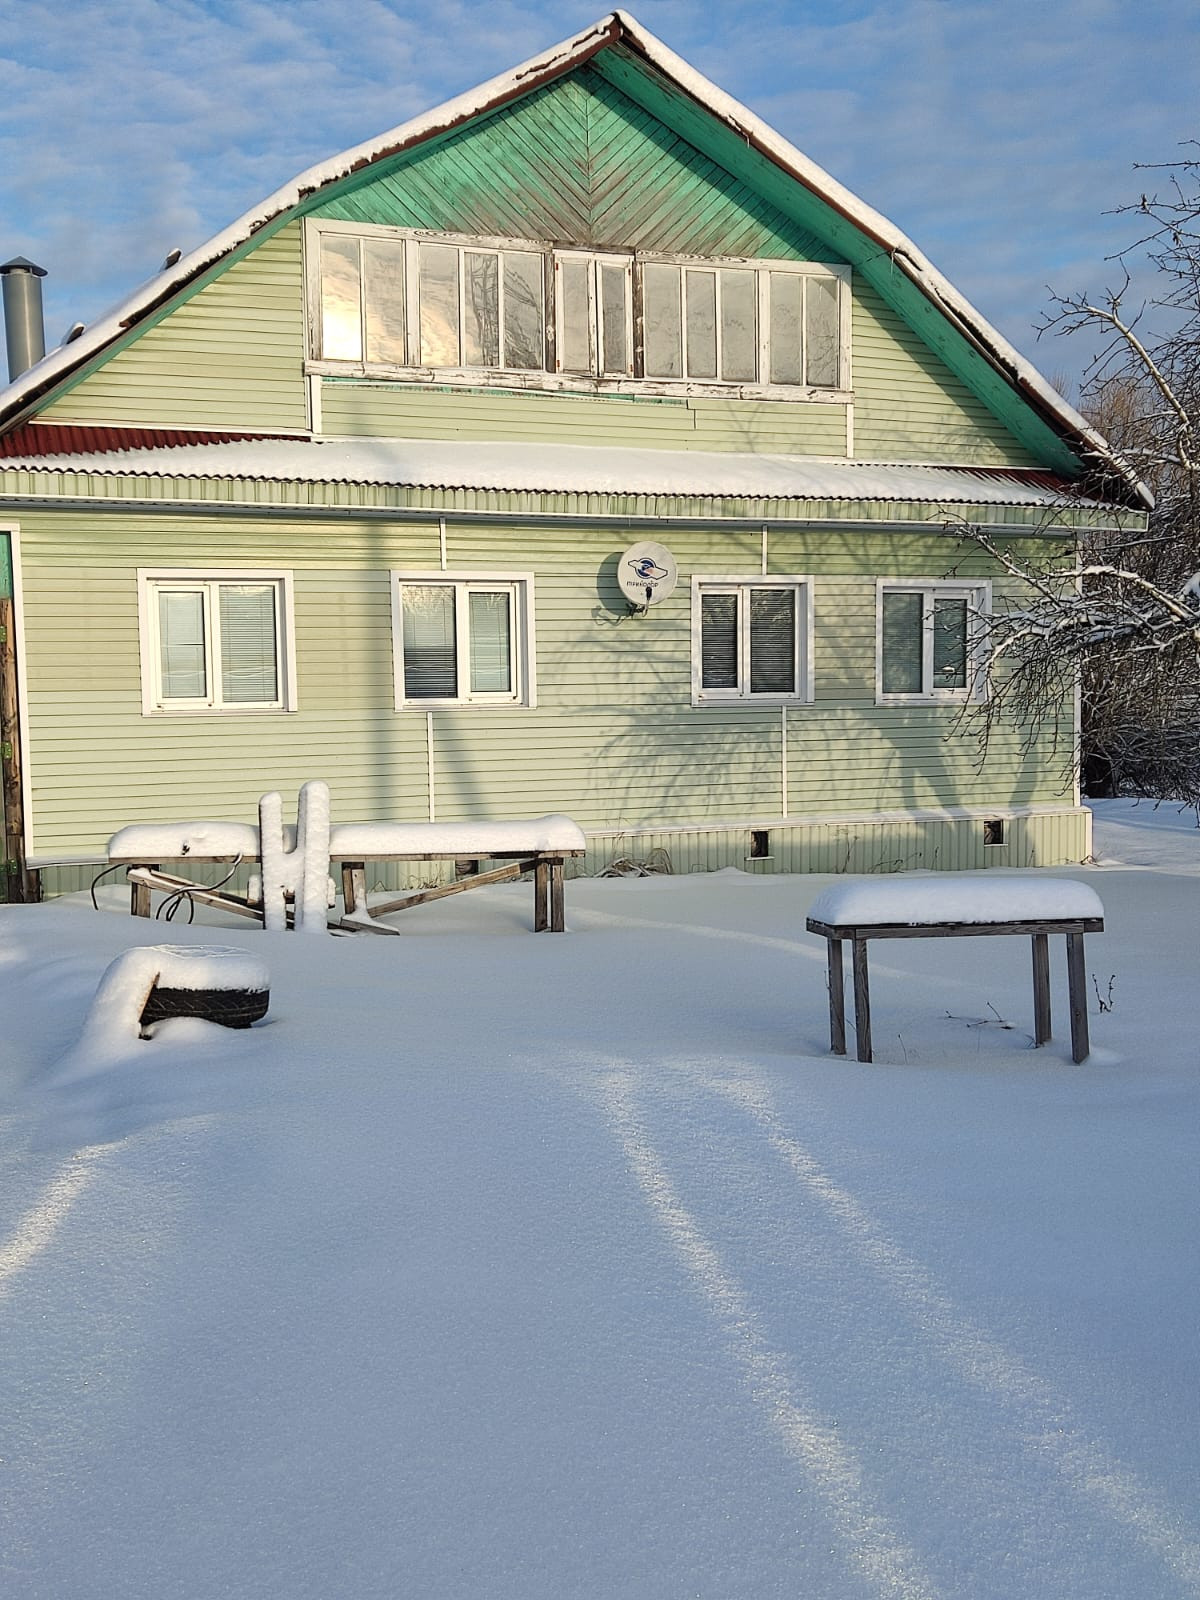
[348, 493]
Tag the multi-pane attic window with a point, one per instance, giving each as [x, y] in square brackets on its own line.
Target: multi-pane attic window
[388, 300]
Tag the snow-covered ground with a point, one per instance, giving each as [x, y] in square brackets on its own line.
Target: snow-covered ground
[494, 1267]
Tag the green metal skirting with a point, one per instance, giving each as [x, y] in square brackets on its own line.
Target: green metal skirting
[868, 845]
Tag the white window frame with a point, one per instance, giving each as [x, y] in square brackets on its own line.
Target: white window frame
[520, 585]
[739, 582]
[153, 580]
[551, 376]
[594, 260]
[977, 593]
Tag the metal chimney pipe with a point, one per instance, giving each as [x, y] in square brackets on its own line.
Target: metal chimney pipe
[24, 328]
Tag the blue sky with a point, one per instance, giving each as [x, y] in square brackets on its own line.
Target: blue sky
[996, 133]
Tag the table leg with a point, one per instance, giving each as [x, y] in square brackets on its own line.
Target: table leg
[862, 1001]
[139, 899]
[354, 886]
[837, 998]
[1041, 988]
[541, 897]
[1077, 997]
[558, 919]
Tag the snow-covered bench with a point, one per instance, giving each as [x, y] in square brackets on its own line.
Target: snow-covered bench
[952, 905]
[539, 845]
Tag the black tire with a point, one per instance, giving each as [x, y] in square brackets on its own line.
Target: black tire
[232, 1008]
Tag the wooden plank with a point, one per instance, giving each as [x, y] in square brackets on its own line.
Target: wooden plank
[143, 879]
[862, 1001]
[1077, 997]
[424, 896]
[954, 930]
[1041, 988]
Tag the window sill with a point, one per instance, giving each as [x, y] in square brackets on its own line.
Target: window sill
[522, 382]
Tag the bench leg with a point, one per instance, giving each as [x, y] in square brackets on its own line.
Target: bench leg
[837, 998]
[354, 886]
[558, 918]
[1077, 998]
[862, 1002]
[139, 898]
[541, 897]
[1041, 988]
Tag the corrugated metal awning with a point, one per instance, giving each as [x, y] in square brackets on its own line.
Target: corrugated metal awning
[568, 469]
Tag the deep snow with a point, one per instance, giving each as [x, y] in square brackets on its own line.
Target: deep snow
[532, 1268]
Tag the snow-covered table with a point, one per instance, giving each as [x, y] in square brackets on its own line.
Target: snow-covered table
[954, 905]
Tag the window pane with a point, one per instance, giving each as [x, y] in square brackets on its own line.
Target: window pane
[701, 324]
[524, 310]
[439, 305]
[787, 292]
[614, 295]
[341, 331]
[430, 665]
[663, 325]
[249, 670]
[383, 272]
[823, 332]
[575, 354]
[902, 610]
[181, 645]
[481, 310]
[718, 641]
[739, 327]
[949, 643]
[491, 641]
[772, 641]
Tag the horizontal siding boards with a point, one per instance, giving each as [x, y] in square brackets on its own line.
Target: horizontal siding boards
[613, 740]
[230, 357]
[908, 406]
[409, 411]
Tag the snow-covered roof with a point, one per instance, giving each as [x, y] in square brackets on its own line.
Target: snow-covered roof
[562, 469]
[618, 27]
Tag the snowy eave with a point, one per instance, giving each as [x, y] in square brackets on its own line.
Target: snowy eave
[616, 28]
[561, 469]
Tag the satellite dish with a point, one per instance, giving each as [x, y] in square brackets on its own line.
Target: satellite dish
[647, 574]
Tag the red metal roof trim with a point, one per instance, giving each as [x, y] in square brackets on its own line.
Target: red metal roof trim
[79, 439]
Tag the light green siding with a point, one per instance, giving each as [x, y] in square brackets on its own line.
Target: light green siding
[230, 357]
[614, 740]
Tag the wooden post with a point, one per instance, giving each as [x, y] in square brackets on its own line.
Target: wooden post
[354, 886]
[862, 1001]
[541, 896]
[1041, 988]
[1077, 998]
[558, 919]
[837, 999]
[139, 896]
[19, 885]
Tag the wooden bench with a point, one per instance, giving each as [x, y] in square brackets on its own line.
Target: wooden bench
[540, 846]
[955, 906]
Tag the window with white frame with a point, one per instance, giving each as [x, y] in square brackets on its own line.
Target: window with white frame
[386, 299]
[217, 642]
[460, 640]
[750, 639]
[928, 634]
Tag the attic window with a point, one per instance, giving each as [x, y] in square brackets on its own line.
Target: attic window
[392, 303]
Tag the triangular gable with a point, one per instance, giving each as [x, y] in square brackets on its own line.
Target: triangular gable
[749, 157]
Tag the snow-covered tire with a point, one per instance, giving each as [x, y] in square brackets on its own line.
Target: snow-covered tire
[232, 1008]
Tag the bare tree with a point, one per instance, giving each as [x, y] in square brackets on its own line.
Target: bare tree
[1122, 618]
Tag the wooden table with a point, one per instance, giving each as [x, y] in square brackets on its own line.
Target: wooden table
[838, 930]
